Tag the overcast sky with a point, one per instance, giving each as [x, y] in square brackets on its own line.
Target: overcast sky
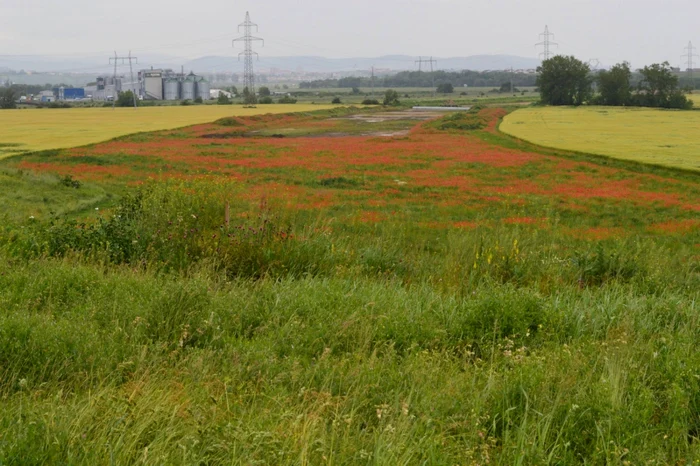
[640, 31]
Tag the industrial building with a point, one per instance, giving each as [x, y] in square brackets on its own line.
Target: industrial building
[168, 85]
[153, 84]
[69, 93]
[105, 88]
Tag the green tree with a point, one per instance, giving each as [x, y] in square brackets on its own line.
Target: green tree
[336, 100]
[287, 100]
[223, 99]
[614, 85]
[659, 88]
[391, 98]
[7, 98]
[355, 90]
[445, 88]
[564, 81]
[264, 92]
[125, 99]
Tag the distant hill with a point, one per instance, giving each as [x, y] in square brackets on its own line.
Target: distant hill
[309, 64]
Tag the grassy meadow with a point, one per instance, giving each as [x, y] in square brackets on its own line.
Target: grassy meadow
[332, 288]
[41, 129]
[659, 137]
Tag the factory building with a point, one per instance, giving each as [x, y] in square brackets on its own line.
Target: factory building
[69, 93]
[153, 84]
[105, 88]
[167, 85]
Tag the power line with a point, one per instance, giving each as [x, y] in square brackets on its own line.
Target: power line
[248, 72]
[116, 58]
[546, 43]
[689, 55]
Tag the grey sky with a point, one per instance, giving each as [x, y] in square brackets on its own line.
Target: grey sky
[640, 31]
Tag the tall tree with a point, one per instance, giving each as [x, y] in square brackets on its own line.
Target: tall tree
[659, 88]
[7, 98]
[614, 85]
[564, 81]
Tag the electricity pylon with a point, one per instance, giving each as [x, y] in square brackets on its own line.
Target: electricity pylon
[248, 72]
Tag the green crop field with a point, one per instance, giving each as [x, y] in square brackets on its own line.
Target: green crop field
[660, 137]
[347, 287]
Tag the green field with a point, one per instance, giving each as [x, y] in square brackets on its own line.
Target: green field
[660, 137]
[347, 287]
[40, 129]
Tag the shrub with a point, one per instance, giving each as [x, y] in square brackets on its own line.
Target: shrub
[171, 226]
[391, 98]
[370, 102]
[287, 100]
[445, 88]
[265, 100]
[460, 121]
[70, 182]
[336, 100]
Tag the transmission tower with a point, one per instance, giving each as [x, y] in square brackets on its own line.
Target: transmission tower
[431, 62]
[689, 56]
[546, 43]
[122, 60]
[248, 73]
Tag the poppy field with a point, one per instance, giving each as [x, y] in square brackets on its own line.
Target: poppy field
[347, 286]
[660, 137]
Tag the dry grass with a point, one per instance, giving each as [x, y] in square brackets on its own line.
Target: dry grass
[42, 129]
[661, 137]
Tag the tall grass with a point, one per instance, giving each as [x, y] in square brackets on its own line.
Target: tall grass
[160, 333]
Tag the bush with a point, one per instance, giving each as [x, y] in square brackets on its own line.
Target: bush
[370, 102]
[59, 105]
[70, 182]
[171, 226]
[265, 100]
[445, 88]
[460, 121]
[287, 100]
[336, 100]
[391, 98]
[186, 102]
[198, 100]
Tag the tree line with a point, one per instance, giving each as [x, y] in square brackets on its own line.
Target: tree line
[566, 80]
[428, 80]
